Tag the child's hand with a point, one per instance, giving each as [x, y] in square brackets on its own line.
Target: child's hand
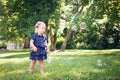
[45, 43]
[48, 51]
[34, 49]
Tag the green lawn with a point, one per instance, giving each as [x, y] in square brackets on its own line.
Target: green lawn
[69, 65]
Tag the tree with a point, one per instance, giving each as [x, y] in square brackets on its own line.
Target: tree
[102, 23]
[53, 27]
[74, 9]
[19, 17]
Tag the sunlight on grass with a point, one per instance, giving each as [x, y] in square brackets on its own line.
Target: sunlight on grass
[15, 72]
[14, 60]
[85, 52]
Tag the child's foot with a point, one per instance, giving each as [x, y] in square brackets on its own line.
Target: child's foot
[41, 71]
[31, 71]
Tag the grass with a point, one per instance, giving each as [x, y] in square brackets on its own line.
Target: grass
[69, 65]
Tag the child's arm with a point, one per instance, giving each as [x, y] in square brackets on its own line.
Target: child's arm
[45, 43]
[46, 46]
[33, 46]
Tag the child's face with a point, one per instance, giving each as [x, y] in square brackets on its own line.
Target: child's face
[41, 29]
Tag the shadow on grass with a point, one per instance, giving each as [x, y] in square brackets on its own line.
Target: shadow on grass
[84, 55]
[14, 51]
[15, 56]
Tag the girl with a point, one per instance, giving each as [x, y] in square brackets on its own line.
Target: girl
[38, 43]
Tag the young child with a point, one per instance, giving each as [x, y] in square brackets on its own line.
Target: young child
[38, 43]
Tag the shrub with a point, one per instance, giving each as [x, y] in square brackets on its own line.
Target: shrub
[3, 46]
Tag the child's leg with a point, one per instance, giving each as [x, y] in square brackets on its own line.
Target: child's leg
[32, 65]
[41, 66]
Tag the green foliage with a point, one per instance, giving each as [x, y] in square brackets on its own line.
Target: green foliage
[102, 18]
[58, 44]
[19, 16]
[3, 46]
[102, 23]
[54, 19]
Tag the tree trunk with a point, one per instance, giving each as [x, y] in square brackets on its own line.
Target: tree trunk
[66, 40]
[53, 44]
[53, 40]
[26, 42]
[46, 22]
[68, 35]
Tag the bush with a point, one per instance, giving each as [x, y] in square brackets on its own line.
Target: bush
[59, 44]
[3, 46]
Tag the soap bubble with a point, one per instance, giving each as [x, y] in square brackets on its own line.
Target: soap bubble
[49, 60]
[75, 28]
[83, 25]
[111, 40]
[99, 62]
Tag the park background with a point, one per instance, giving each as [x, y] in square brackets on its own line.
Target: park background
[83, 34]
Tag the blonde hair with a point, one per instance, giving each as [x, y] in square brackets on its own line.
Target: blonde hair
[39, 23]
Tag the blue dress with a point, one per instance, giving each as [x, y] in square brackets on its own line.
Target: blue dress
[41, 53]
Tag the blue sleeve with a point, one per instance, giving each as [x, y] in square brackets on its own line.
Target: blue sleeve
[33, 37]
[45, 37]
